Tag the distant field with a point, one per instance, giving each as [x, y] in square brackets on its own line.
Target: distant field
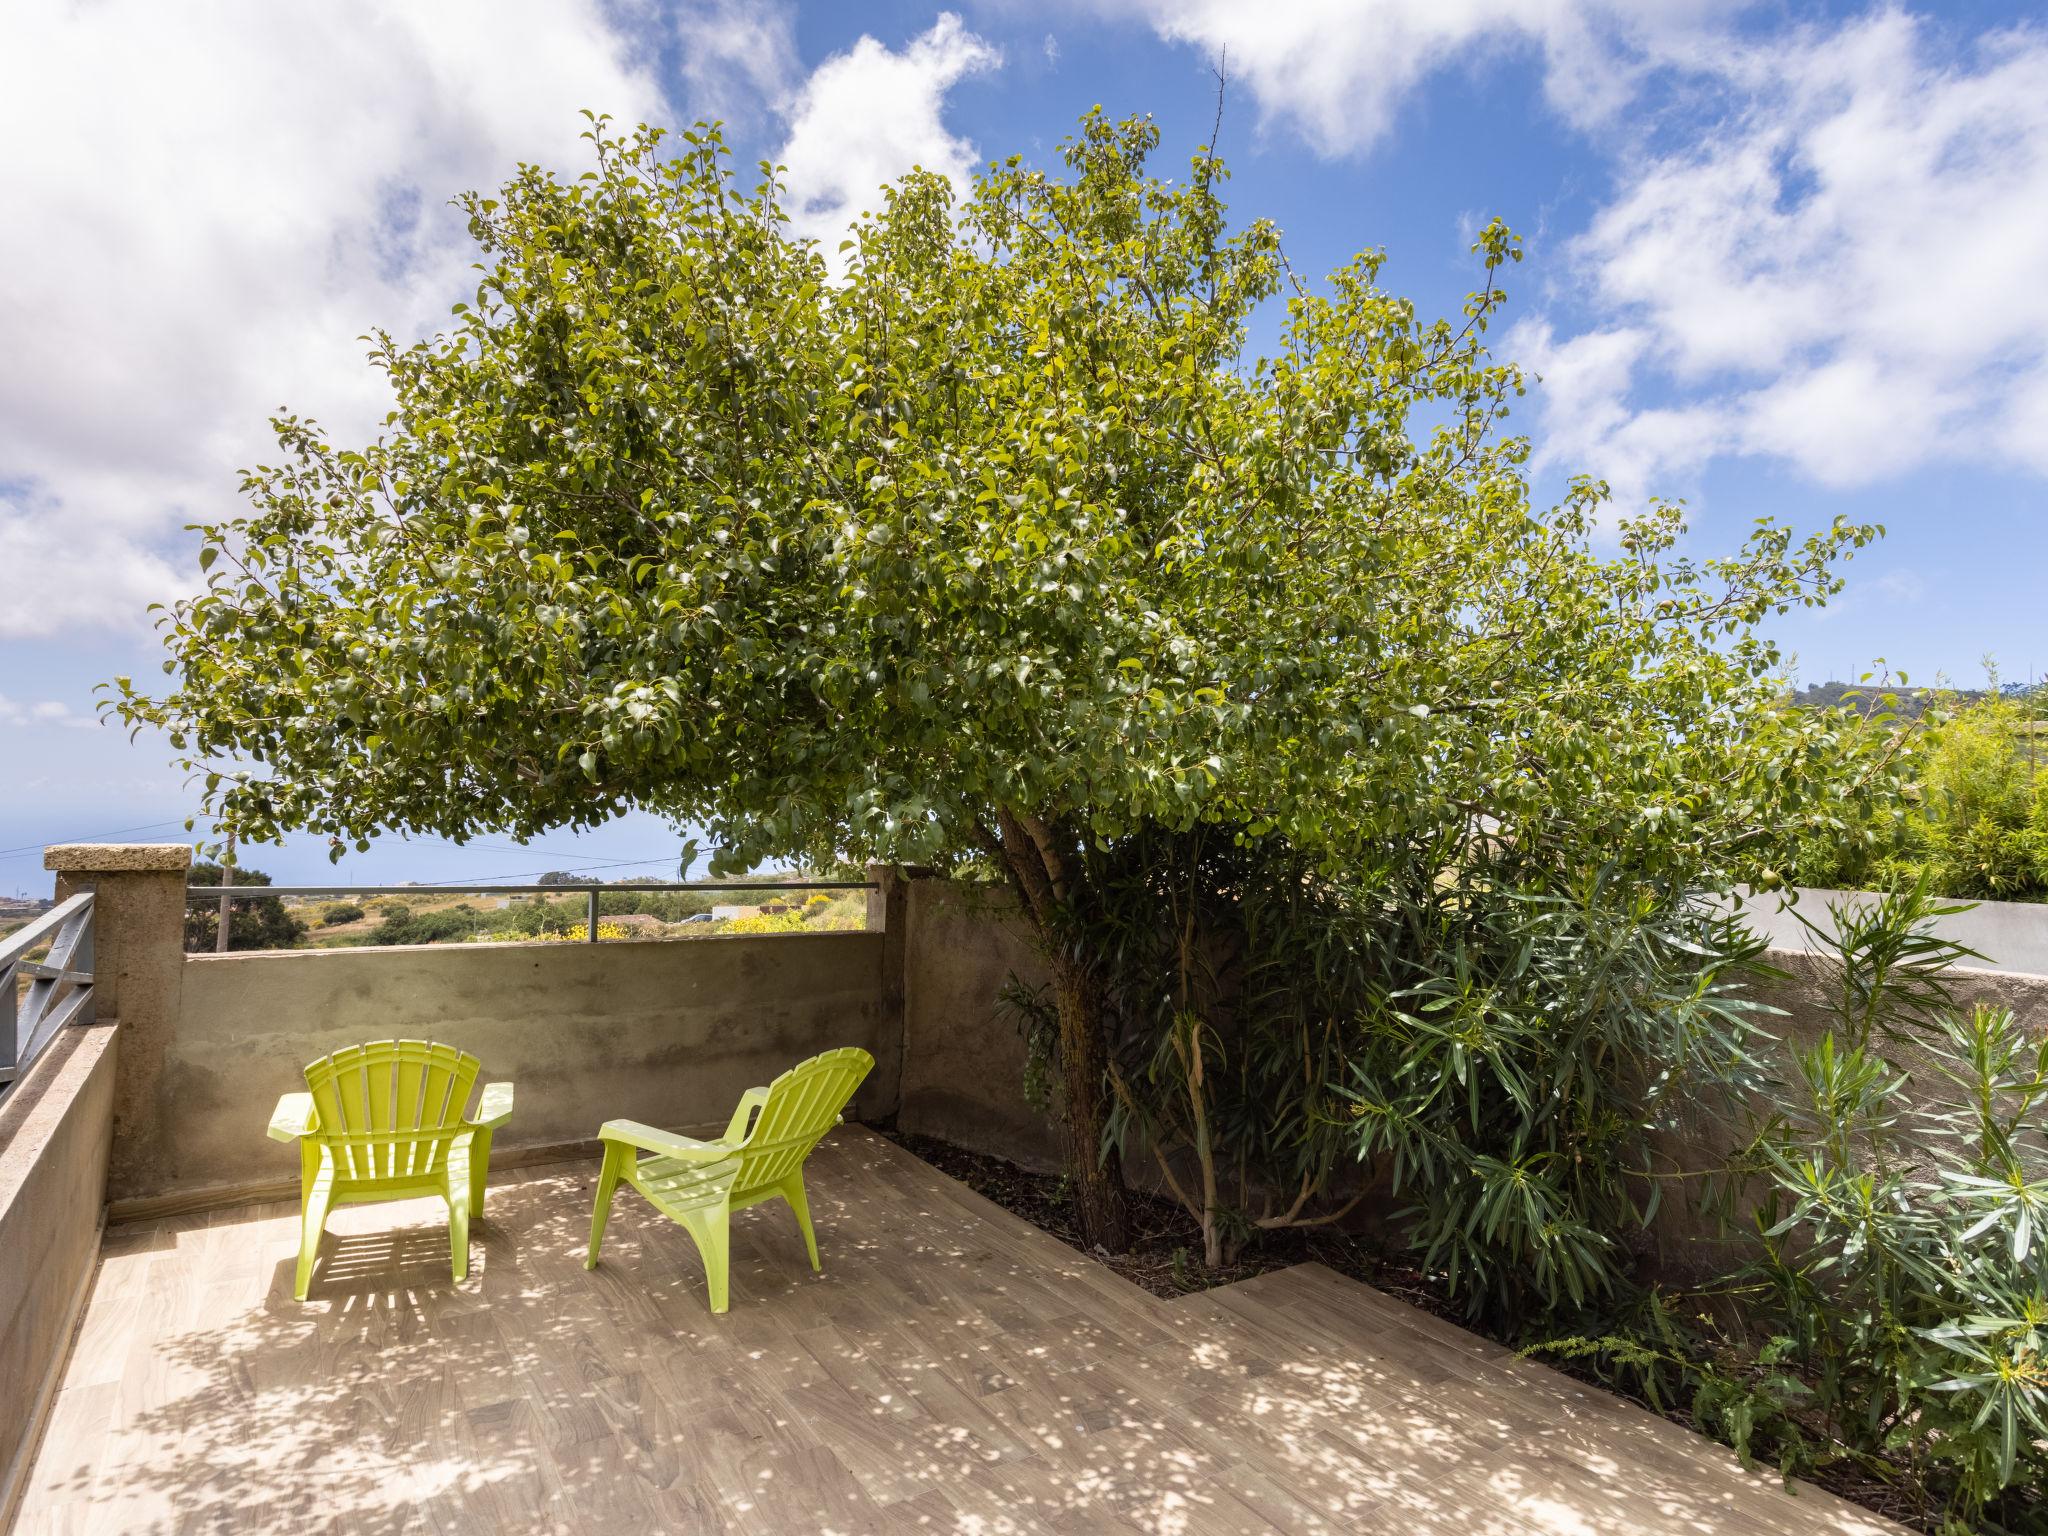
[624, 912]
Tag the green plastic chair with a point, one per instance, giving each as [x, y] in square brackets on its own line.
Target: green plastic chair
[385, 1121]
[699, 1184]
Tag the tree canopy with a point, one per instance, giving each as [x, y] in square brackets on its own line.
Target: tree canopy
[987, 536]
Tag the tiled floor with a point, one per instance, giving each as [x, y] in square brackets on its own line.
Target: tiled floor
[953, 1370]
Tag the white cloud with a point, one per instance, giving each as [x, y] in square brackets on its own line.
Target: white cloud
[867, 115]
[739, 57]
[43, 712]
[1843, 276]
[1839, 271]
[206, 206]
[60, 568]
[1337, 71]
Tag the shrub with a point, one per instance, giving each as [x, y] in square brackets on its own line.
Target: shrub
[1236, 975]
[763, 922]
[669, 906]
[335, 913]
[577, 935]
[1537, 1055]
[1976, 819]
[1893, 1311]
[261, 922]
[1507, 1056]
[408, 927]
[1905, 1167]
[1982, 794]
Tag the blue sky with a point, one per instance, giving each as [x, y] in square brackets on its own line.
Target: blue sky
[1783, 260]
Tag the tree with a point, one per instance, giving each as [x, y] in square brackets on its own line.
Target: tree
[997, 545]
[258, 922]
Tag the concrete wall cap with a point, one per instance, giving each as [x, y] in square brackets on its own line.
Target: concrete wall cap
[116, 858]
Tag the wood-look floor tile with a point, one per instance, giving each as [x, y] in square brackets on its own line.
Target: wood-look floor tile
[953, 1370]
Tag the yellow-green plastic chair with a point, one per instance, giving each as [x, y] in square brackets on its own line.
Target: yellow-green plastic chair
[699, 1184]
[385, 1121]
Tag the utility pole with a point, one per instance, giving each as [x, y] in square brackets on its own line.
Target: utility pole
[227, 878]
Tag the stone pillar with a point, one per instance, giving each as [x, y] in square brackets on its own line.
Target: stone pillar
[138, 929]
[887, 915]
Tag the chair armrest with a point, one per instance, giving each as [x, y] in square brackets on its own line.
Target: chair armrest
[665, 1143]
[494, 1108]
[751, 1100]
[294, 1117]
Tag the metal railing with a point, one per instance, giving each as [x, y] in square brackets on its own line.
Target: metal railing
[59, 989]
[198, 894]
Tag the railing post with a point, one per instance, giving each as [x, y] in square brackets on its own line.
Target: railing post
[138, 932]
[60, 985]
[591, 936]
[10, 1046]
[221, 943]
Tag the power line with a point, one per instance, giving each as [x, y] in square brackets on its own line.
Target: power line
[536, 874]
[430, 837]
[28, 849]
[95, 837]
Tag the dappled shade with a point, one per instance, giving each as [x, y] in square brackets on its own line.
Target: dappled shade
[953, 1370]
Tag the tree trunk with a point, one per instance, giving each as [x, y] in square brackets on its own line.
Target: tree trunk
[1042, 862]
[1094, 1171]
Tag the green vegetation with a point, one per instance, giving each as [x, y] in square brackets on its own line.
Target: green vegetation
[1976, 819]
[669, 906]
[1003, 547]
[402, 925]
[260, 922]
[1537, 1070]
[431, 919]
[1893, 1308]
[1511, 1049]
[1360, 807]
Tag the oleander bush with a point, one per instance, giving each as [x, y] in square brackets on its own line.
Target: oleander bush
[1891, 1308]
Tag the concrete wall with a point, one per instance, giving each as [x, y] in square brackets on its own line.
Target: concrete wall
[1686, 1243]
[1804, 996]
[669, 1032]
[138, 933]
[2011, 935]
[56, 1124]
[963, 1059]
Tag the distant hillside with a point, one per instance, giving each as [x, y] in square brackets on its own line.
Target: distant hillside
[1912, 702]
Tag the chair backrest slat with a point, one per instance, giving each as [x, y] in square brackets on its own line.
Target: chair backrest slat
[803, 1104]
[385, 1107]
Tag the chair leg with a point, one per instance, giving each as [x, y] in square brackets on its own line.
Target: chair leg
[479, 1171]
[458, 1209]
[711, 1230]
[616, 1156]
[793, 1192]
[318, 1200]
